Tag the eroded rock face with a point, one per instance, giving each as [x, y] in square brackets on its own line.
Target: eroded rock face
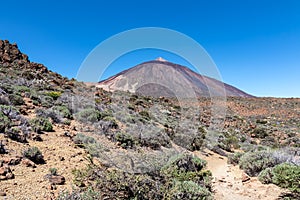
[12, 58]
[9, 53]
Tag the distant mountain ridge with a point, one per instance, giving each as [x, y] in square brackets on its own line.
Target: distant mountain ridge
[162, 78]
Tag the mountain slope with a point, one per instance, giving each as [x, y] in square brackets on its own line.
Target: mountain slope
[162, 78]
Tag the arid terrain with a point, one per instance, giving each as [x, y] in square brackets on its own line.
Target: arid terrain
[64, 139]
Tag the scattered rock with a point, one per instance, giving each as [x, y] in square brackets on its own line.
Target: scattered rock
[57, 179]
[28, 163]
[52, 187]
[6, 173]
[36, 137]
[61, 158]
[2, 194]
[245, 177]
[12, 160]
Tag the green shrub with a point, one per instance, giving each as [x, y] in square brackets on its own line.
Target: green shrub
[266, 175]
[67, 122]
[63, 111]
[53, 171]
[185, 168]
[54, 94]
[126, 140]
[198, 142]
[41, 124]
[254, 162]
[16, 99]
[145, 115]
[4, 122]
[46, 101]
[112, 121]
[21, 88]
[89, 194]
[34, 154]
[93, 147]
[287, 176]
[235, 158]
[260, 132]
[187, 190]
[88, 115]
[81, 139]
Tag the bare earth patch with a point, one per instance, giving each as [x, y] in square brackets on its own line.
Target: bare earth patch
[30, 183]
[228, 184]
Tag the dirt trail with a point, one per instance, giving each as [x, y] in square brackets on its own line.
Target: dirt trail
[228, 185]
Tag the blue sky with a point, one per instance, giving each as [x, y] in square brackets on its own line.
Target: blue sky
[255, 44]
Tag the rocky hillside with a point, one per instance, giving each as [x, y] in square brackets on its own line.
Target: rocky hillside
[162, 78]
[61, 139]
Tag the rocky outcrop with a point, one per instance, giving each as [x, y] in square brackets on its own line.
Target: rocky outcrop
[11, 58]
[6, 173]
[9, 53]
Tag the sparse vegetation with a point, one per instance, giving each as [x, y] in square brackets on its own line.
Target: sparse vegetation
[88, 115]
[34, 154]
[53, 171]
[284, 175]
[53, 94]
[41, 124]
[34, 100]
[254, 162]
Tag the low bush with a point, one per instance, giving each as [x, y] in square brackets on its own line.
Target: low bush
[16, 99]
[188, 168]
[81, 139]
[254, 162]
[126, 140]
[186, 190]
[88, 115]
[266, 175]
[53, 171]
[260, 132]
[54, 94]
[93, 147]
[63, 111]
[284, 175]
[21, 88]
[235, 158]
[112, 121]
[45, 101]
[55, 116]
[287, 176]
[89, 194]
[15, 133]
[145, 115]
[41, 124]
[34, 154]
[4, 122]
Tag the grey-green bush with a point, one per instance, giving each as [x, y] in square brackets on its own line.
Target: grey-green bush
[254, 162]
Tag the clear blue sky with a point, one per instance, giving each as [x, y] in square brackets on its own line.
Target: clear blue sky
[255, 43]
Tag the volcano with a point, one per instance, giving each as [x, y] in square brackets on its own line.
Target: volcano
[160, 77]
